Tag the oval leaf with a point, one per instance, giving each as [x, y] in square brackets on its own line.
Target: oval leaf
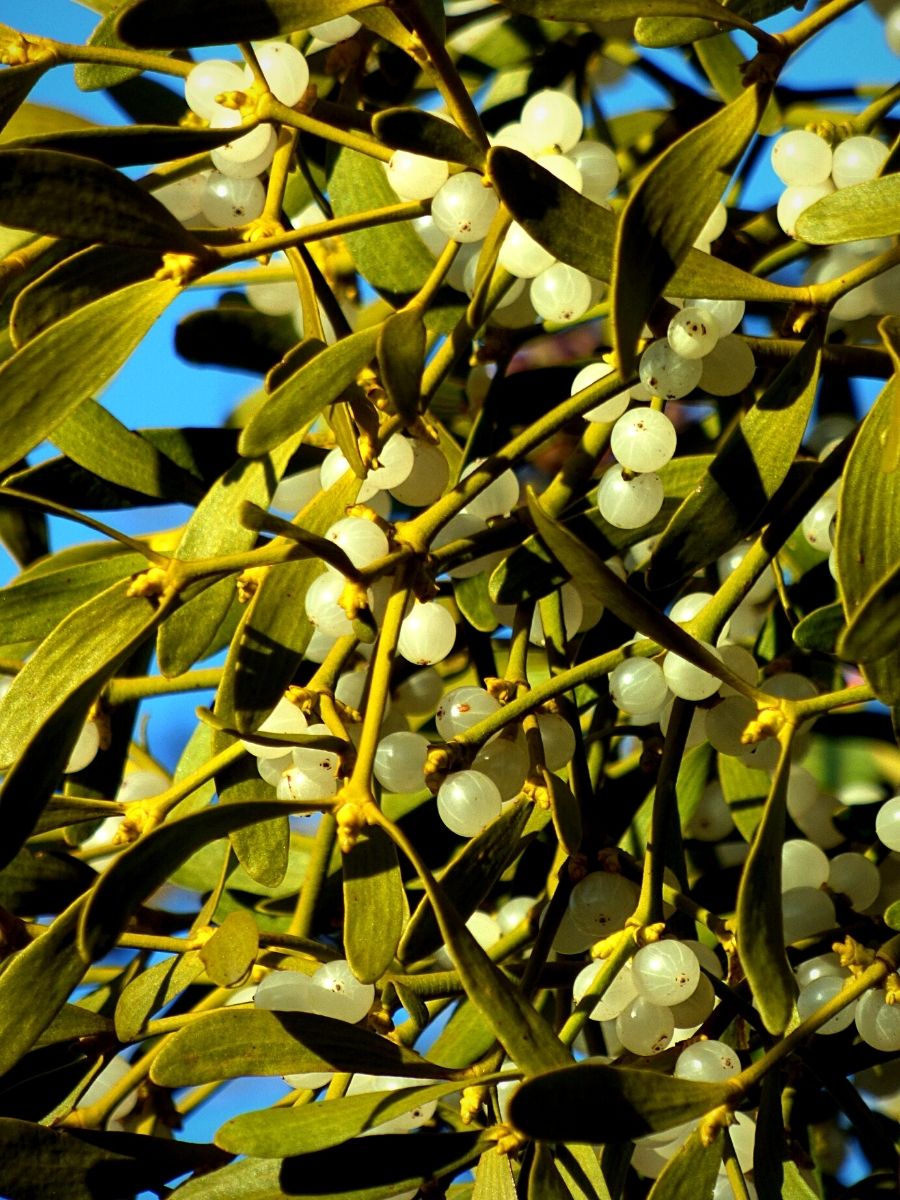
[375, 908]
[171, 24]
[421, 133]
[231, 951]
[691, 1171]
[152, 990]
[865, 210]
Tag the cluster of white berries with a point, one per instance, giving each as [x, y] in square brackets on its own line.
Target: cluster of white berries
[463, 206]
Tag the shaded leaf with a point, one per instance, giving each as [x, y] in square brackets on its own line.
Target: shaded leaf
[864, 210]
[892, 915]
[667, 209]
[234, 1042]
[36, 881]
[92, 1164]
[874, 630]
[691, 1171]
[391, 1163]
[304, 394]
[231, 951]
[592, 1102]
[61, 811]
[68, 196]
[661, 31]
[565, 811]
[235, 335]
[375, 908]
[392, 258]
[91, 77]
[421, 133]
[494, 1178]
[616, 10]
[147, 864]
[760, 928]
[15, 84]
[72, 1021]
[127, 145]
[745, 790]
[749, 467]
[69, 362]
[152, 990]
[277, 1133]
[171, 24]
[867, 546]
[723, 61]
[820, 630]
[401, 357]
[582, 234]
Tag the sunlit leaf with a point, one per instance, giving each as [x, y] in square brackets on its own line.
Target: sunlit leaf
[152, 990]
[864, 210]
[591, 1102]
[375, 908]
[662, 30]
[723, 61]
[231, 951]
[234, 1042]
[750, 466]
[745, 790]
[692, 1170]
[91, 77]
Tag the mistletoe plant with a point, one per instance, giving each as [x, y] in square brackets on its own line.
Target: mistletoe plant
[536, 818]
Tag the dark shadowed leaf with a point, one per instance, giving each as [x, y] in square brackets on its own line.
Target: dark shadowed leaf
[152, 990]
[129, 145]
[47, 379]
[36, 881]
[170, 24]
[664, 30]
[473, 600]
[72, 810]
[273, 1133]
[234, 1042]
[875, 628]
[15, 84]
[389, 1164]
[401, 358]
[421, 133]
[821, 629]
[234, 334]
[745, 790]
[868, 532]
[591, 1102]
[92, 1164]
[748, 469]
[303, 396]
[667, 209]
[616, 10]
[375, 907]
[760, 928]
[865, 210]
[68, 196]
[582, 234]
[691, 1171]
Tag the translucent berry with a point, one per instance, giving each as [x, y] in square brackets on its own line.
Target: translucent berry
[688, 681]
[728, 368]
[550, 118]
[856, 160]
[414, 176]
[818, 992]
[638, 685]
[462, 708]
[802, 158]
[666, 373]
[467, 801]
[665, 972]
[887, 824]
[643, 440]
[427, 634]
[209, 79]
[464, 207]
[521, 255]
[692, 333]
[607, 410]
[796, 200]
[228, 202]
[644, 1028]
[629, 503]
[561, 293]
[284, 68]
[708, 1062]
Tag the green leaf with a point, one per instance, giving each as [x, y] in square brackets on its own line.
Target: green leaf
[468, 879]
[494, 1178]
[623, 10]
[66, 364]
[375, 908]
[49, 699]
[892, 915]
[35, 984]
[231, 951]
[277, 1133]
[68, 196]
[262, 848]
[234, 1042]
[73, 810]
[152, 990]
[591, 1102]
[582, 234]
[661, 31]
[691, 1171]
[745, 790]
[723, 61]
[303, 396]
[72, 1022]
[473, 600]
[401, 357]
[147, 864]
[544, 1180]
[666, 210]
[171, 24]
[380, 1169]
[393, 258]
[867, 546]
[15, 84]
[760, 927]
[749, 467]
[820, 630]
[565, 811]
[875, 628]
[421, 133]
[37, 881]
[864, 210]
[83, 1164]
[465, 1038]
[91, 77]
[275, 630]
[127, 146]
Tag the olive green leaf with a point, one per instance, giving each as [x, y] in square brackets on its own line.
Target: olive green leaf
[615, 10]
[865, 210]
[277, 1133]
[760, 926]
[256, 518]
[691, 1171]
[72, 360]
[544, 1179]
[375, 907]
[392, 258]
[388, 1164]
[474, 602]
[30, 119]
[38, 881]
[49, 699]
[821, 630]
[234, 1042]
[262, 848]
[74, 810]
[874, 630]
[464, 1040]
[591, 1102]
[867, 546]
[36, 983]
[231, 951]
[236, 335]
[749, 467]
[85, 1164]
[171, 24]
[15, 84]
[401, 358]
[91, 77]
[468, 879]
[661, 31]
[275, 630]
[494, 1178]
[147, 864]
[892, 915]
[723, 61]
[73, 1021]
[304, 394]
[745, 790]
[152, 990]
[421, 133]
[129, 145]
[582, 234]
[666, 210]
[68, 196]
